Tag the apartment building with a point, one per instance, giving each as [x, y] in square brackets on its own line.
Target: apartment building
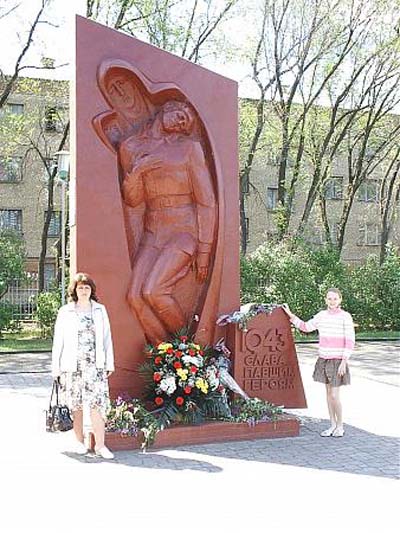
[43, 105]
[363, 230]
[31, 126]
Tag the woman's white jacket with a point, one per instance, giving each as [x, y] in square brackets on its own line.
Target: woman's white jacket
[65, 342]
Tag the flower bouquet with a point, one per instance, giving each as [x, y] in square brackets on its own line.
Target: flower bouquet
[183, 383]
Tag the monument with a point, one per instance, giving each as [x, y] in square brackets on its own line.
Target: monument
[154, 216]
[154, 176]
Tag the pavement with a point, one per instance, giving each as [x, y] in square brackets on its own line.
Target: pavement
[297, 484]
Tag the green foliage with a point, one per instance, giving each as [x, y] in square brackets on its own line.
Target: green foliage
[12, 258]
[48, 304]
[128, 416]
[7, 322]
[296, 274]
[253, 410]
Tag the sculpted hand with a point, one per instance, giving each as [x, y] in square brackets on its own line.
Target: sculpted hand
[202, 262]
[145, 162]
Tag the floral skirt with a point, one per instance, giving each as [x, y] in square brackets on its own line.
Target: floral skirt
[86, 388]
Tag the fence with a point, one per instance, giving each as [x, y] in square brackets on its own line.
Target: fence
[22, 295]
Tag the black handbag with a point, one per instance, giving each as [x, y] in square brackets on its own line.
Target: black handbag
[58, 417]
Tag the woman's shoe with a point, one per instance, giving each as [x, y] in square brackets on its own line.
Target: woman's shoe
[328, 432]
[339, 432]
[104, 452]
[79, 448]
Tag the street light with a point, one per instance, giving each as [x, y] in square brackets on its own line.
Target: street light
[62, 173]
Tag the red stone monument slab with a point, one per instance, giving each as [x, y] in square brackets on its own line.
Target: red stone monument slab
[154, 191]
[265, 362]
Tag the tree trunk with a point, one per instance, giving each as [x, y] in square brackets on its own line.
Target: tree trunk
[50, 206]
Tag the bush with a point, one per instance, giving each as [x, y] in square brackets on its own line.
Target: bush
[6, 316]
[294, 273]
[48, 304]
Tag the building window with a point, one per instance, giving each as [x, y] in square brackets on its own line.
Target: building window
[55, 224]
[333, 189]
[272, 198]
[368, 191]
[369, 235]
[11, 219]
[53, 119]
[49, 275]
[334, 231]
[15, 109]
[10, 169]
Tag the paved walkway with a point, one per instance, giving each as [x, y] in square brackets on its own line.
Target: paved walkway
[297, 484]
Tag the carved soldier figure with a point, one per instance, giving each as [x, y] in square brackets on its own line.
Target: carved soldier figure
[164, 168]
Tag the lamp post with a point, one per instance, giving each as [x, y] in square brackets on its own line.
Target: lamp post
[63, 172]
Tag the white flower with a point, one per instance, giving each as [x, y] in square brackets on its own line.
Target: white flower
[168, 385]
[196, 360]
[211, 373]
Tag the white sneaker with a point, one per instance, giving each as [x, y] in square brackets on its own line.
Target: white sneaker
[339, 432]
[79, 448]
[328, 432]
[105, 453]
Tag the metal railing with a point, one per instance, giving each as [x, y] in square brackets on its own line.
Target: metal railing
[22, 295]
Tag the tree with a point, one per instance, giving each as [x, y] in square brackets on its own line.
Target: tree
[12, 258]
[35, 137]
[186, 28]
[389, 200]
[327, 76]
[8, 82]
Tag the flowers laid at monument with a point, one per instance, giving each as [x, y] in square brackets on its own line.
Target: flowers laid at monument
[185, 383]
[245, 314]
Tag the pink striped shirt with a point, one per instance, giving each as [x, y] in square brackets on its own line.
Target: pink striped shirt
[336, 332]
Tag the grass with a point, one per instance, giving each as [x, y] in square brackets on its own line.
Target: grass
[28, 340]
[360, 336]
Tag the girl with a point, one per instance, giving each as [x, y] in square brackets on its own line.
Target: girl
[336, 342]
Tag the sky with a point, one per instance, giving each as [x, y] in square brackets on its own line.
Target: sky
[54, 39]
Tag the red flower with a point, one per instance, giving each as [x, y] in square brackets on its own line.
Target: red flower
[193, 369]
[158, 400]
[158, 360]
[192, 352]
[183, 338]
[201, 352]
[177, 364]
[187, 389]
[170, 350]
[157, 376]
[179, 400]
[178, 353]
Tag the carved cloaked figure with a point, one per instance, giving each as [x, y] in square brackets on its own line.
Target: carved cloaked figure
[165, 169]
[172, 201]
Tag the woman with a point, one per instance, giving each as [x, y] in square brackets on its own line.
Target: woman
[82, 359]
[336, 342]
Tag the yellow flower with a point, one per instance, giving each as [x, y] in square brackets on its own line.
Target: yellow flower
[182, 373]
[164, 346]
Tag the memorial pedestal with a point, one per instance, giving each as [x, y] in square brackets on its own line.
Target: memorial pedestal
[265, 362]
[285, 426]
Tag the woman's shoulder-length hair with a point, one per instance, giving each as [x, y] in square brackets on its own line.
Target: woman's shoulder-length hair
[81, 278]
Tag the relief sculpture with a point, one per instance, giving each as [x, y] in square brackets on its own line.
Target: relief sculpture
[171, 197]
